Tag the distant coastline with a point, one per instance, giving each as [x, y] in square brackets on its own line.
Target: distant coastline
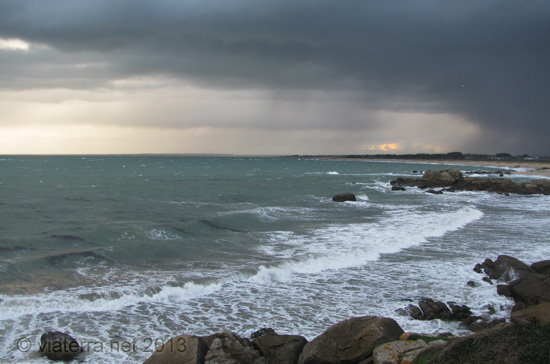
[516, 165]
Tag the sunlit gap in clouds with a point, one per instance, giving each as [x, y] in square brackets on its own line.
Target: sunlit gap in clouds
[13, 44]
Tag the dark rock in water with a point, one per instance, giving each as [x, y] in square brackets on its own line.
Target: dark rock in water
[459, 312]
[67, 237]
[488, 280]
[431, 310]
[410, 310]
[350, 341]
[505, 268]
[397, 188]
[472, 284]
[280, 348]
[434, 192]
[342, 197]
[434, 310]
[180, 349]
[527, 285]
[261, 332]
[478, 268]
[58, 345]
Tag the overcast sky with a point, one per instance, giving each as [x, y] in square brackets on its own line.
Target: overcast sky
[275, 77]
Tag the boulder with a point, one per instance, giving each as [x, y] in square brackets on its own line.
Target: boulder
[442, 178]
[459, 312]
[280, 349]
[261, 332]
[434, 310]
[537, 315]
[542, 267]
[393, 352]
[350, 341]
[505, 268]
[434, 192]
[183, 349]
[342, 197]
[531, 290]
[57, 345]
[398, 188]
[229, 348]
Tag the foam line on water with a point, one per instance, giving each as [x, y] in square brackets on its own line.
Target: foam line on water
[331, 248]
[339, 247]
[70, 301]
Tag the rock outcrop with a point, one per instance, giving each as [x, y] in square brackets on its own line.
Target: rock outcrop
[350, 341]
[379, 340]
[229, 348]
[279, 349]
[525, 284]
[453, 180]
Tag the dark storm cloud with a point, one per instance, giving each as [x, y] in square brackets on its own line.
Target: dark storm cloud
[485, 60]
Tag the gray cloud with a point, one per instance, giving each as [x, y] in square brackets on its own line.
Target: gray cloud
[484, 60]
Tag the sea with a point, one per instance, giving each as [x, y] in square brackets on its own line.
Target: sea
[125, 252]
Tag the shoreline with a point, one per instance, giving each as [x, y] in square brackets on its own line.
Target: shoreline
[530, 168]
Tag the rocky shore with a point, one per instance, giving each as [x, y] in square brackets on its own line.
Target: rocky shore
[521, 339]
[450, 180]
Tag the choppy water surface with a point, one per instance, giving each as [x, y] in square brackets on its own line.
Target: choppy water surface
[136, 250]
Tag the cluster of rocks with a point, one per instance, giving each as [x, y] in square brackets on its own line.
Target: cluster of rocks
[367, 339]
[428, 309]
[451, 180]
[527, 285]
[380, 340]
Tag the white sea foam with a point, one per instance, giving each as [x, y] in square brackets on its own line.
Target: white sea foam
[340, 247]
[333, 172]
[160, 234]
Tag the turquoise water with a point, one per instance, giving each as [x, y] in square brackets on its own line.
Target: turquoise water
[137, 249]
